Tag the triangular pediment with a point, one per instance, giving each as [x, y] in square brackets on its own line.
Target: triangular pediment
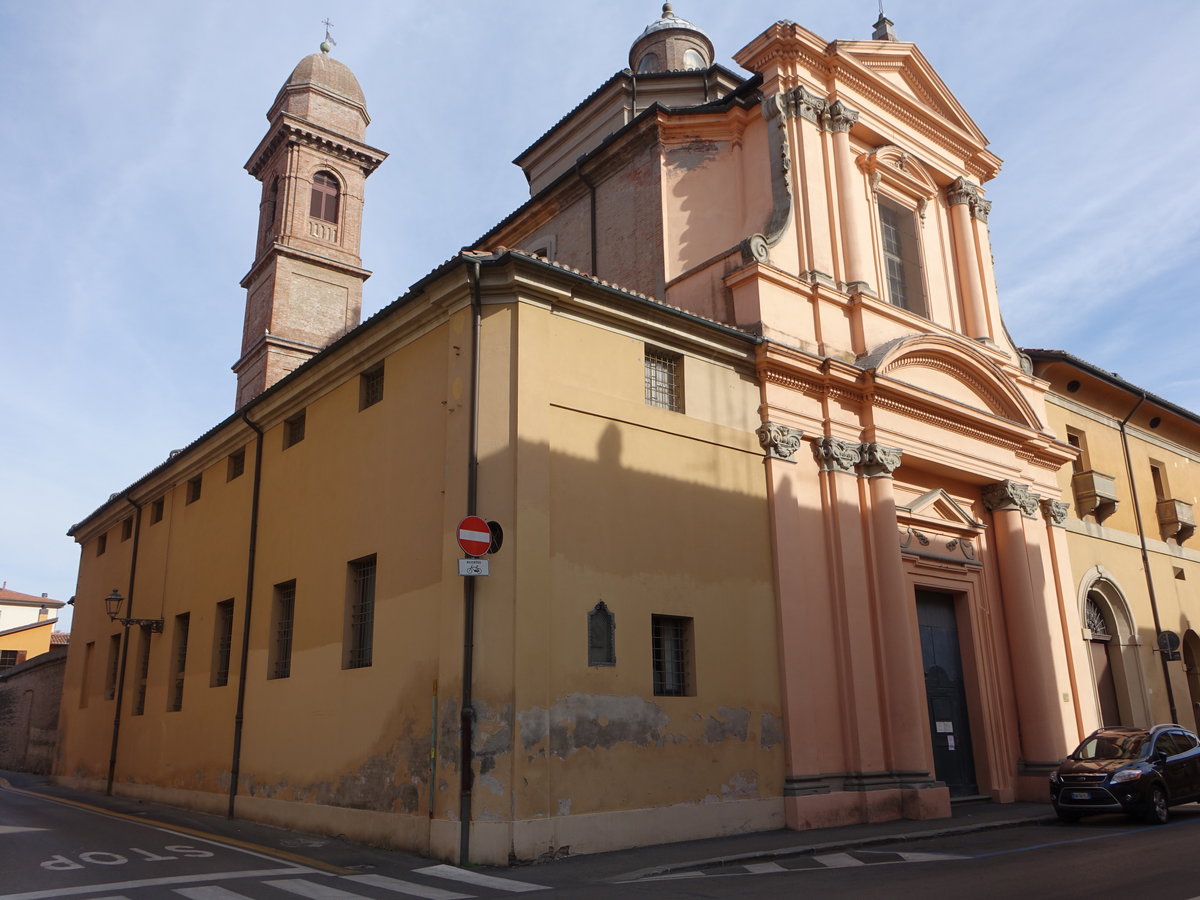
[938, 507]
[904, 69]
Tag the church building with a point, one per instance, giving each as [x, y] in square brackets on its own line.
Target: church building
[778, 530]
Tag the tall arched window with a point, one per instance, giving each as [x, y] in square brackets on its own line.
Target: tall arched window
[325, 193]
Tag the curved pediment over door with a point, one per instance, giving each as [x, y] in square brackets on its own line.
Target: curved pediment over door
[953, 368]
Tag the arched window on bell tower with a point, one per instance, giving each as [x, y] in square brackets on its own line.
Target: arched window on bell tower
[325, 194]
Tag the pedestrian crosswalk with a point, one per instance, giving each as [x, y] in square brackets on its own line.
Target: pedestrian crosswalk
[797, 863]
[456, 884]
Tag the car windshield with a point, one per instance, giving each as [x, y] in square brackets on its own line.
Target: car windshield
[1112, 746]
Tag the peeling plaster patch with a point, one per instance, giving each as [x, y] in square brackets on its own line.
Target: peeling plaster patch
[772, 731]
[492, 783]
[734, 722]
[743, 785]
[564, 806]
[493, 735]
[590, 722]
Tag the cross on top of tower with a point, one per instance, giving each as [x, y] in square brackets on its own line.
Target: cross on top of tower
[329, 42]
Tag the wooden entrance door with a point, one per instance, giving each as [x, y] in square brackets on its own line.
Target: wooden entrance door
[946, 694]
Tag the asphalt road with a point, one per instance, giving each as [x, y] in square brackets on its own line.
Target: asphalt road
[52, 849]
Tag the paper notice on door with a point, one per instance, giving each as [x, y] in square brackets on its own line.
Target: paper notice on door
[949, 742]
[945, 727]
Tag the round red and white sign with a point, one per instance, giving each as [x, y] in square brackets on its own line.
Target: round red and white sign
[474, 536]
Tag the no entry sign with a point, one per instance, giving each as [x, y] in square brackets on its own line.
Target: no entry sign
[474, 536]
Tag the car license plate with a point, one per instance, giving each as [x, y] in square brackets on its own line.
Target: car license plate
[1079, 795]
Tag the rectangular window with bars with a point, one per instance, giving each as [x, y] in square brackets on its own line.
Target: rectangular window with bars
[293, 429]
[143, 673]
[178, 661]
[664, 379]
[672, 657]
[360, 613]
[236, 465]
[9, 659]
[222, 644]
[283, 619]
[370, 387]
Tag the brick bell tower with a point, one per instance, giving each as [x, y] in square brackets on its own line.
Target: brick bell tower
[304, 290]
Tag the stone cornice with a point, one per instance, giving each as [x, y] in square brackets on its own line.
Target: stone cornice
[287, 128]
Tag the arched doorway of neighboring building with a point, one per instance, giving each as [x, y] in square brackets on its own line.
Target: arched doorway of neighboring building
[1111, 636]
[1191, 662]
[1102, 659]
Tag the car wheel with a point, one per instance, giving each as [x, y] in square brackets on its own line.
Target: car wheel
[1156, 812]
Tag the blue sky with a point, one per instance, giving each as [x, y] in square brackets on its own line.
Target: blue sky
[130, 220]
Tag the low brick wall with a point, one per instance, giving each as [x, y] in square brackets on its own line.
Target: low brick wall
[29, 699]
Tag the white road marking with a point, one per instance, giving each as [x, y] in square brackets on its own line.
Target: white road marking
[465, 875]
[82, 890]
[13, 829]
[833, 861]
[758, 868]
[406, 887]
[312, 890]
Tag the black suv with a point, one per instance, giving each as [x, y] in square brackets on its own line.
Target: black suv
[1135, 770]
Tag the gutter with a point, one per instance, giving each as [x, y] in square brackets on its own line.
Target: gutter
[467, 711]
[1137, 518]
[116, 729]
[235, 765]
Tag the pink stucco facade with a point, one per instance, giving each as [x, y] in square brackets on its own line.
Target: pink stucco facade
[833, 205]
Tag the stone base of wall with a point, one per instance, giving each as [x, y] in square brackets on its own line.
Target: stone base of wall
[492, 843]
[838, 808]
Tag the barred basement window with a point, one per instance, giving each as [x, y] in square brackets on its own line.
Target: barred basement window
[370, 387]
[193, 488]
[664, 379]
[602, 647]
[178, 661]
[236, 465]
[293, 429]
[222, 643]
[360, 613]
[110, 672]
[671, 649]
[143, 671]
[283, 617]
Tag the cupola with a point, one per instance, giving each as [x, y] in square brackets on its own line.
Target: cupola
[670, 44]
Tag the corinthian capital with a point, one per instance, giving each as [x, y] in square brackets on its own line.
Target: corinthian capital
[780, 441]
[879, 461]
[839, 117]
[1011, 495]
[834, 455]
[1055, 511]
[963, 191]
[807, 105]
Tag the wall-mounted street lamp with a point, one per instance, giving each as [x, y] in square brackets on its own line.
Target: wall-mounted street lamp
[112, 605]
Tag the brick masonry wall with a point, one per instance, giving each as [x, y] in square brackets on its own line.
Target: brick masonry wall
[29, 699]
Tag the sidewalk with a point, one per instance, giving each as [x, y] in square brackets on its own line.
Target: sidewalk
[620, 865]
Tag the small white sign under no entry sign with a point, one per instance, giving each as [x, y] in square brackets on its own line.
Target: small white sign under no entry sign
[470, 567]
